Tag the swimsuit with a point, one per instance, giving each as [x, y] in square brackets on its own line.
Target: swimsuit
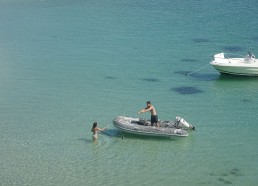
[154, 119]
[95, 136]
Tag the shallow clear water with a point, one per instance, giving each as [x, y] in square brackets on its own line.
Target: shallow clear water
[66, 64]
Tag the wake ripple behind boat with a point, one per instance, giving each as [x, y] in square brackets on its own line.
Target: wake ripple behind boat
[142, 127]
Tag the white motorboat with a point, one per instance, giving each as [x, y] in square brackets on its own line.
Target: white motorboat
[245, 66]
[143, 127]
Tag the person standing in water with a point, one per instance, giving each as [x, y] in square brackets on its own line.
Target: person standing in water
[95, 130]
[154, 116]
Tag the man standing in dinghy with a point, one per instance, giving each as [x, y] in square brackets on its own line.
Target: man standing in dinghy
[154, 116]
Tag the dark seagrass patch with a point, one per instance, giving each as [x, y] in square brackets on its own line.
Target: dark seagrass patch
[201, 40]
[151, 79]
[185, 90]
[234, 48]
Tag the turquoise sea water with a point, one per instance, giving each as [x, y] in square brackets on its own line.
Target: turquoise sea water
[65, 64]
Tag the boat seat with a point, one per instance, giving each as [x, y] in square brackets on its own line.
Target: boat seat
[143, 122]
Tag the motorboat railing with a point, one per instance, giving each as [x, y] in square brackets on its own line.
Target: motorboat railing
[249, 58]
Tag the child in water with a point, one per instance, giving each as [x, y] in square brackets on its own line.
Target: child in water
[95, 130]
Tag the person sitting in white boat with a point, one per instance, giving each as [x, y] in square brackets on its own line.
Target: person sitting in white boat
[154, 116]
[250, 58]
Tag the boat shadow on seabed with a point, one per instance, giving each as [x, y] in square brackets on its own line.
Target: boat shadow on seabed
[231, 77]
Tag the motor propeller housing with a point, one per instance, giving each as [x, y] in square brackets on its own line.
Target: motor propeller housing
[181, 123]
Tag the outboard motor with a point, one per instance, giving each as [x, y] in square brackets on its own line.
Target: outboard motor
[181, 123]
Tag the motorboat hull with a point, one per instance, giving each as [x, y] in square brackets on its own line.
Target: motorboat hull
[235, 66]
[235, 70]
[134, 126]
